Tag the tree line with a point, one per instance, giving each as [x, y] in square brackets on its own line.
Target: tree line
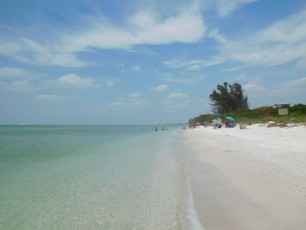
[229, 99]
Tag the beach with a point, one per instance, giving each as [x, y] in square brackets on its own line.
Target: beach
[132, 177]
[253, 178]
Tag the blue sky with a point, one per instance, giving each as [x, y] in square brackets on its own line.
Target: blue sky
[137, 61]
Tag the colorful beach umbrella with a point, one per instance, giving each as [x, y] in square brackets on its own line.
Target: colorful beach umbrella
[230, 118]
[217, 121]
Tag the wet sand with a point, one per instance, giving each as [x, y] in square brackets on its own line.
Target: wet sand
[249, 179]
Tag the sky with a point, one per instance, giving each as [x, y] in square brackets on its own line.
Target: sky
[144, 61]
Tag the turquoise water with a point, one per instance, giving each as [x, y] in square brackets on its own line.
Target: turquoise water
[94, 177]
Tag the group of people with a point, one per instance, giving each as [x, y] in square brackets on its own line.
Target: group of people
[217, 125]
[163, 128]
[227, 125]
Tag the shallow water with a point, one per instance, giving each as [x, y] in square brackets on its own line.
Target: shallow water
[94, 177]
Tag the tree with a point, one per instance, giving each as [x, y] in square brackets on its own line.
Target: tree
[228, 98]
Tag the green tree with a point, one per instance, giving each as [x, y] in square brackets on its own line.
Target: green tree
[227, 98]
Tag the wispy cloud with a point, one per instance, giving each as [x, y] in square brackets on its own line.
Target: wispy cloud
[12, 72]
[180, 106]
[193, 65]
[177, 101]
[144, 27]
[176, 98]
[294, 84]
[8, 48]
[52, 97]
[75, 81]
[161, 88]
[301, 64]
[286, 92]
[110, 82]
[254, 88]
[38, 53]
[290, 92]
[131, 100]
[191, 80]
[282, 42]
[136, 68]
[19, 85]
[224, 7]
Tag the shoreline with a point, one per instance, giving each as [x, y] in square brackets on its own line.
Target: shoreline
[249, 179]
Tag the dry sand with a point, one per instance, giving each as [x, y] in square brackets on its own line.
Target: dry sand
[249, 179]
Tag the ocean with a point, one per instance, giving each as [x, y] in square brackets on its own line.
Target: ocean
[94, 177]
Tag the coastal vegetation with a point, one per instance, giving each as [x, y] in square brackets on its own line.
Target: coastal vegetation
[297, 113]
[229, 100]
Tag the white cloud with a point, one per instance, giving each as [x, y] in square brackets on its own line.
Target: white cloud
[193, 65]
[167, 77]
[180, 106]
[134, 95]
[119, 103]
[301, 64]
[74, 81]
[12, 72]
[290, 30]
[162, 88]
[290, 91]
[253, 87]
[136, 68]
[144, 27]
[177, 101]
[286, 92]
[294, 84]
[50, 97]
[282, 42]
[226, 7]
[176, 96]
[131, 100]
[147, 26]
[9, 48]
[34, 52]
[110, 82]
[21, 86]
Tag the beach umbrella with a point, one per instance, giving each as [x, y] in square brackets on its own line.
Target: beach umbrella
[215, 121]
[230, 118]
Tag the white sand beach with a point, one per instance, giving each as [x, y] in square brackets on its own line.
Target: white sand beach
[253, 178]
